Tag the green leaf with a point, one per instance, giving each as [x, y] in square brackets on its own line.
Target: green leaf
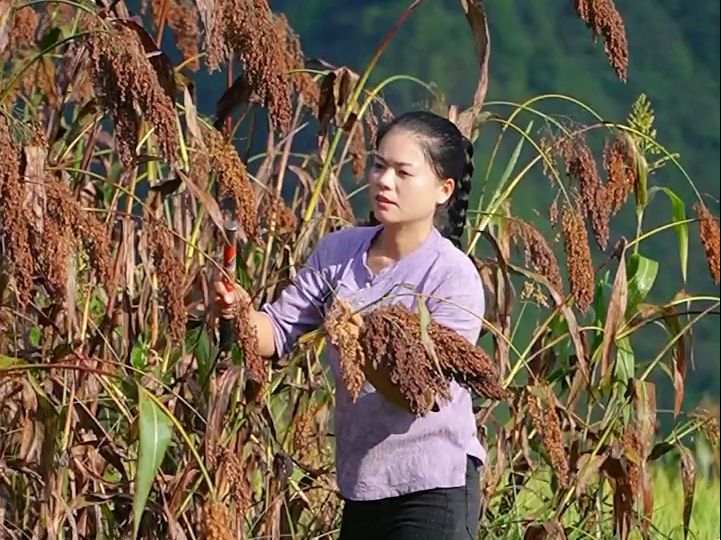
[96, 304]
[599, 307]
[50, 38]
[237, 355]
[34, 336]
[625, 365]
[642, 185]
[660, 450]
[155, 434]
[203, 355]
[642, 274]
[559, 328]
[137, 355]
[514, 159]
[678, 210]
[8, 361]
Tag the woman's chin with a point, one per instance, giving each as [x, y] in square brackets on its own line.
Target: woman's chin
[385, 217]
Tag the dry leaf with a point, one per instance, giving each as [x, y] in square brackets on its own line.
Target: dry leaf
[614, 316]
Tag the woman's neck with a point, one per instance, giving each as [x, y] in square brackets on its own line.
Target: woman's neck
[397, 241]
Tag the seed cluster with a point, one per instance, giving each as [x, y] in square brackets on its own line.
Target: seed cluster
[602, 17]
[392, 340]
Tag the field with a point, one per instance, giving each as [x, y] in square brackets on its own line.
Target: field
[668, 508]
[121, 419]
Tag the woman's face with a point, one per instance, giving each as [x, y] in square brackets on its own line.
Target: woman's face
[404, 187]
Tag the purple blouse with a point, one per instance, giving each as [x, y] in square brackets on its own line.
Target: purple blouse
[381, 450]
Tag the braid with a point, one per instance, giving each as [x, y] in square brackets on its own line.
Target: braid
[458, 205]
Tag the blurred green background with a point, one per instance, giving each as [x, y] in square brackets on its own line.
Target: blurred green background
[540, 46]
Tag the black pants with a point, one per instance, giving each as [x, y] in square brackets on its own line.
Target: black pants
[435, 514]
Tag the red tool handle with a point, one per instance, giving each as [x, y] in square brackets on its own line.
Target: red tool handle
[230, 253]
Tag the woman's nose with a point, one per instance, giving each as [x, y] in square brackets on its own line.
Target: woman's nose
[384, 179]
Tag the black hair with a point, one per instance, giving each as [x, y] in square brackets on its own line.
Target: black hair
[451, 156]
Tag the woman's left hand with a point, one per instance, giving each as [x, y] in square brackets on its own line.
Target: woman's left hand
[355, 321]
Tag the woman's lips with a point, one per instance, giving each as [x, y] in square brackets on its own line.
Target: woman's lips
[384, 201]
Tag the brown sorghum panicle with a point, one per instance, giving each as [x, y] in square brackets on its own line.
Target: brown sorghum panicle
[352, 358]
[22, 32]
[236, 476]
[215, 524]
[82, 226]
[578, 258]
[709, 232]
[256, 368]
[392, 340]
[543, 414]
[245, 27]
[303, 82]
[619, 162]
[602, 17]
[182, 19]
[358, 152]
[633, 443]
[52, 252]
[594, 195]
[125, 80]
[537, 252]
[170, 274]
[200, 168]
[233, 178]
[272, 207]
[14, 226]
[709, 424]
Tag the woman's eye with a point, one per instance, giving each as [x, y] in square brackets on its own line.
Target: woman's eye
[404, 174]
[377, 166]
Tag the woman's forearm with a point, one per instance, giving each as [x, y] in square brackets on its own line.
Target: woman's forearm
[264, 333]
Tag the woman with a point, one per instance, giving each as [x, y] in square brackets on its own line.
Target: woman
[401, 476]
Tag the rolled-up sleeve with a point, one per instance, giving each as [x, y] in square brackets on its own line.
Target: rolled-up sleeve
[299, 308]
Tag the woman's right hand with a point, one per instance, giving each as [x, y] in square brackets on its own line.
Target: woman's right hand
[228, 296]
[225, 303]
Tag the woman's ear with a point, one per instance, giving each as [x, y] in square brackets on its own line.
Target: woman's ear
[445, 190]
